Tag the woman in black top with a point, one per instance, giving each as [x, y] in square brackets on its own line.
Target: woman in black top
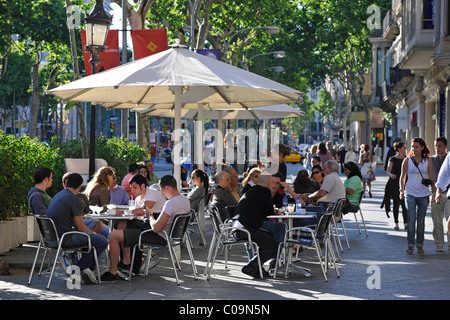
[393, 185]
[304, 184]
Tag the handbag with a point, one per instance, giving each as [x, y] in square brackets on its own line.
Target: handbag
[367, 171]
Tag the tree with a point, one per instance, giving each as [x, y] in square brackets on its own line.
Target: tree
[332, 39]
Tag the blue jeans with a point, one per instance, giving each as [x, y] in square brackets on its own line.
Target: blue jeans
[98, 241]
[417, 210]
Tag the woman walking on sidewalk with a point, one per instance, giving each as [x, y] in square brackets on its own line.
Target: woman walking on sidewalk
[394, 171]
[416, 191]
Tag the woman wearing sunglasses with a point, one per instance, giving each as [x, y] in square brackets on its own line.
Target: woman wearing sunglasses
[251, 179]
[317, 174]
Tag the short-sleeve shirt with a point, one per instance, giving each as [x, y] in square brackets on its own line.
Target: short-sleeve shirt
[174, 206]
[64, 206]
[334, 186]
[354, 183]
[152, 195]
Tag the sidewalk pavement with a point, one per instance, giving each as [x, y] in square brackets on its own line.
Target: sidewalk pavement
[375, 268]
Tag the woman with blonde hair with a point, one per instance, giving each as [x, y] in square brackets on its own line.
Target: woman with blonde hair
[251, 179]
[97, 190]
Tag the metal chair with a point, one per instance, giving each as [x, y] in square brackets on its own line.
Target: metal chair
[362, 217]
[195, 217]
[224, 235]
[338, 218]
[309, 238]
[176, 237]
[50, 240]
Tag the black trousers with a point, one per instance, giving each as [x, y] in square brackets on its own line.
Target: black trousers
[267, 244]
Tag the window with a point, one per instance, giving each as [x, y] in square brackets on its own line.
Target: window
[387, 67]
[428, 11]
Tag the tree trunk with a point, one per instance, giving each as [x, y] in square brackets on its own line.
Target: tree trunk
[35, 100]
[76, 76]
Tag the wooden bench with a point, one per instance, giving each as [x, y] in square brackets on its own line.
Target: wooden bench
[81, 166]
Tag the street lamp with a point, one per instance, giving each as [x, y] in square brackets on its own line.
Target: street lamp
[97, 25]
[267, 29]
[277, 54]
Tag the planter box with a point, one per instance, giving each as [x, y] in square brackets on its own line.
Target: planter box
[14, 233]
[5, 236]
[33, 234]
[22, 223]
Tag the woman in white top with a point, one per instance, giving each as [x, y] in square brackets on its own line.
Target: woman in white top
[416, 191]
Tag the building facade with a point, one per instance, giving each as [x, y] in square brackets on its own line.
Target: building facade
[411, 73]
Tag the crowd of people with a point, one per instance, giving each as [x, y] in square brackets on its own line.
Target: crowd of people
[413, 178]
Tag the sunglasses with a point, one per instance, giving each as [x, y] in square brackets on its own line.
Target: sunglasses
[316, 172]
[254, 176]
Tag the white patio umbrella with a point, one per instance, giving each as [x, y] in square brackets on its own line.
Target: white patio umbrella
[257, 113]
[177, 78]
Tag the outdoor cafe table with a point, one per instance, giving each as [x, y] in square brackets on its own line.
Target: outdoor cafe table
[290, 218]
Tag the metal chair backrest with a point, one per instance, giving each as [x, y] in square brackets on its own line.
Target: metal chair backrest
[361, 197]
[215, 219]
[338, 206]
[179, 227]
[47, 228]
[322, 225]
[231, 212]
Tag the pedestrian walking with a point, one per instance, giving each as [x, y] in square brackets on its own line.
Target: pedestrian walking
[392, 190]
[416, 191]
[366, 159]
[439, 211]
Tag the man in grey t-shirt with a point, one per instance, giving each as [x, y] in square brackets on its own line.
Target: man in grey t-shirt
[332, 188]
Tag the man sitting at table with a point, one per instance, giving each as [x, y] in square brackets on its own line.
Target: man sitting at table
[253, 209]
[177, 204]
[222, 196]
[66, 210]
[332, 188]
[38, 198]
[144, 197]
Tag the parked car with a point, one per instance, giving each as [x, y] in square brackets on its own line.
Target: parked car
[294, 157]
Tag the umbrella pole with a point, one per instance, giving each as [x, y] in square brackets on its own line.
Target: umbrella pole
[177, 135]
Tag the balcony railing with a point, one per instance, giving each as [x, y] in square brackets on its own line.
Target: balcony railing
[390, 27]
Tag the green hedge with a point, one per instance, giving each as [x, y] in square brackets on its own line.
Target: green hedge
[19, 157]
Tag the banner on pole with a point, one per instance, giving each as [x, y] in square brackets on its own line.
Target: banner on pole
[148, 41]
[109, 58]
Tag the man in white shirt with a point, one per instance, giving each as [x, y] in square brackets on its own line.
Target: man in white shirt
[145, 199]
[332, 188]
[439, 211]
[443, 181]
[177, 204]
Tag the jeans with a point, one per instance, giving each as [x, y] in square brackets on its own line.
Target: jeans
[417, 210]
[98, 241]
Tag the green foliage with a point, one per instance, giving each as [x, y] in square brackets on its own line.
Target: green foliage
[21, 156]
[119, 153]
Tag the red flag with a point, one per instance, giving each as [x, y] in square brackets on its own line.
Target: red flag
[109, 58]
[148, 41]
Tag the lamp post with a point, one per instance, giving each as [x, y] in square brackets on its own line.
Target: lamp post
[277, 54]
[97, 25]
[267, 29]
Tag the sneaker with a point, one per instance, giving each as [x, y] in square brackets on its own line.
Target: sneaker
[65, 261]
[126, 268]
[109, 277]
[254, 272]
[88, 276]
